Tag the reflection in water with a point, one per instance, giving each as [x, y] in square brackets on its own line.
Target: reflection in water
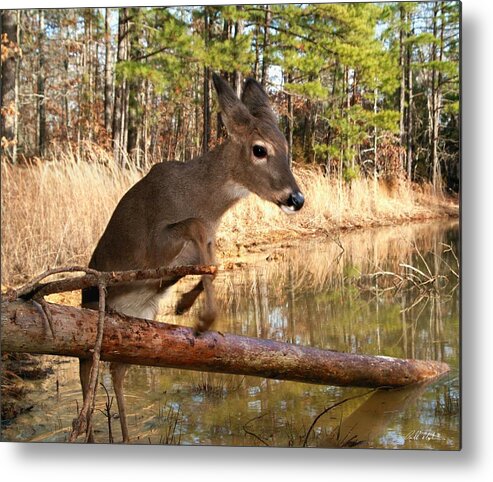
[371, 418]
[316, 293]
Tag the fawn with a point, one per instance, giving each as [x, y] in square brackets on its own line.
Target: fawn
[170, 217]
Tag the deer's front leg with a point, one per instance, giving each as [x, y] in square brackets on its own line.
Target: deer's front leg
[188, 299]
[187, 242]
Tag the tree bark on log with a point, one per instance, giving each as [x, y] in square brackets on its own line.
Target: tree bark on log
[142, 342]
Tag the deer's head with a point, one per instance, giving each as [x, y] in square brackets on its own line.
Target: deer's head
[261, 164]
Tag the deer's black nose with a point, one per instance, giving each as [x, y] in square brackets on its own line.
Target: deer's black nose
[296, 201]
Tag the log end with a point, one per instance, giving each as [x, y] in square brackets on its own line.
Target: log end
[433, 369]
[417, 371]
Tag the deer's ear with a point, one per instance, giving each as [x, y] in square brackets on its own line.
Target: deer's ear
[257, 101]
[234, 114]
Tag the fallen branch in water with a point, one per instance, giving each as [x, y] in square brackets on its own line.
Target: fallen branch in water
[423, 283]
[141, 342]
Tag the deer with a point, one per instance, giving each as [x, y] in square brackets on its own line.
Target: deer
[170, 217]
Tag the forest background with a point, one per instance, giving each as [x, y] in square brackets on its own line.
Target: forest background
[367, 95]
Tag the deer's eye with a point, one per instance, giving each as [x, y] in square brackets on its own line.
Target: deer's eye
[259, 151]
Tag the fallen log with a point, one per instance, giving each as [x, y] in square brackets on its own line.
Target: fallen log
[142, 342]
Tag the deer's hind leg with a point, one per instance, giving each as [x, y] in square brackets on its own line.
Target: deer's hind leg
[139, 303]
[85, 374]
[118, 372]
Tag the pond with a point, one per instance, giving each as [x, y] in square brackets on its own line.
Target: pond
[388, 291]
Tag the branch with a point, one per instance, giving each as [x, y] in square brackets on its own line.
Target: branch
[328, 409]
[92, 277]
[83, 423]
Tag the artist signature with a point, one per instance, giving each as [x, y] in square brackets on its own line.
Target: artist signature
[423, 435]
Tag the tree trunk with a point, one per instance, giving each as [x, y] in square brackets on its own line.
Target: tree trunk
[257, 51]
[66, 118]
[206, 106]
[265, 57]
[309, 130]
[237, 77]
[402, 88]
[107, 72]
[375, 142]
[435, 108]
[134, 87]
[348, 120]
[133, 121]
[142, 342]
[120, 90]
[409, 128]
[41, 85]
[9, 24]
[220, 127]
[88, 77]
[290, 124]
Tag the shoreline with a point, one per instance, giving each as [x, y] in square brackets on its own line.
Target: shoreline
[226, 253]
[233, 254]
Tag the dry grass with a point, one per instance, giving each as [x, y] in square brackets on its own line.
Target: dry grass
[53, 212]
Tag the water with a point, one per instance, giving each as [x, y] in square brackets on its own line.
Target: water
[321, 293]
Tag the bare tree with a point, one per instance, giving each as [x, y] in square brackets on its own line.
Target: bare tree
[41, 101]
[120, 88]
[9, 24]
[107, 71]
